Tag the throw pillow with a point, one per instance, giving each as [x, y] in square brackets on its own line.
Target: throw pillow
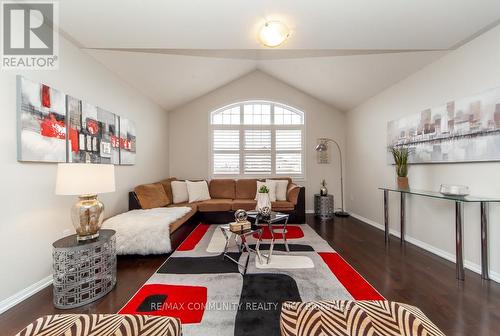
[197, 191]
[281, 187]
[271, 185]
[151, 196]
[179, 191]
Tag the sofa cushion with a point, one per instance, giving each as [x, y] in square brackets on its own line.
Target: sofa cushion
[281, 188]
[168, 188]
[215, 204]
[197, 191]
[151, 195]
[271, 186]
[222, 188]
[245, 204]
[246, 188]
[282, 205]
[179, 192]
[292, 193]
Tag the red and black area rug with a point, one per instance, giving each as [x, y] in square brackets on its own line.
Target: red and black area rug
[211, 297]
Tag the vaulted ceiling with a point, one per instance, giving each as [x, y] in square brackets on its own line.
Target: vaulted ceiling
[342, 52]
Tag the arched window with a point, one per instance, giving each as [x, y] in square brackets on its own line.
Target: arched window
[257, 138]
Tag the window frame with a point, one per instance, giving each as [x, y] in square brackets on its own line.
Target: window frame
[241, 127]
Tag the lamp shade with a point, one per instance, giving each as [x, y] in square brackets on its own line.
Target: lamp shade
[85, 179]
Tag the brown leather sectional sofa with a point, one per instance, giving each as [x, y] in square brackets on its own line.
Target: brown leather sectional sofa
[227, 195]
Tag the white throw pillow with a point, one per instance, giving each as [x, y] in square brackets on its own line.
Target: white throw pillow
[197, 191]
[271, 185]
[281, 187]
[179, 191]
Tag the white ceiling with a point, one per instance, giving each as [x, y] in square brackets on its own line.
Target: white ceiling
[341, 81]
[341, 51]
[345, 82]
[315, 24]
[171, 80]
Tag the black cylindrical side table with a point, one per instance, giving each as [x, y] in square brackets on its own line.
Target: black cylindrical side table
[83, 271]
[323, 206]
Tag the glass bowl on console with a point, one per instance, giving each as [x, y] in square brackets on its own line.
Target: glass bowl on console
[454, 190]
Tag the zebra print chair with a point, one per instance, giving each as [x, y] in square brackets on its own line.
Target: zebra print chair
[354, 318]
[103, 325]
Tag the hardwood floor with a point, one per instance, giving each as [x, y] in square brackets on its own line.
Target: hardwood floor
[412, 275]
[406, 274]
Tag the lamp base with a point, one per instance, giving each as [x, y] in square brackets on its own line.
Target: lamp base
[342, 214]
[87, 237]
[87, 215]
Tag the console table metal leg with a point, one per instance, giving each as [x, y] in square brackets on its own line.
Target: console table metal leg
[484, 240]
[403, 216]
[459, 221]
[386, 215]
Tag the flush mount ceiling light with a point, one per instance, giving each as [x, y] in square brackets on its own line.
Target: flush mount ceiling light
[273, 33]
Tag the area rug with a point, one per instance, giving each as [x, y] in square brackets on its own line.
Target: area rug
[211, 296]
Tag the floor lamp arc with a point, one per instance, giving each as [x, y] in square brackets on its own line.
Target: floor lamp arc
[323, 147]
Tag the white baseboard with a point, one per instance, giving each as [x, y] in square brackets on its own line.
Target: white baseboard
[443, 254]
[22, 295]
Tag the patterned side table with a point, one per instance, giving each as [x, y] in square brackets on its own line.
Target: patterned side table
[323, 206]
[83, 271]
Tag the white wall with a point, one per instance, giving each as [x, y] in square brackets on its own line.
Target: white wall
[189, 129]
[469, 70]
[32, 217]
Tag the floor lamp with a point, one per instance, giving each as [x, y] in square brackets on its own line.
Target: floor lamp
[323, 147]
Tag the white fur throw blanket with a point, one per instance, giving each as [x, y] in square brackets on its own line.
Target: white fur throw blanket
[144, 231]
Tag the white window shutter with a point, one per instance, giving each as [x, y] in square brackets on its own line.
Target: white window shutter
[257, 139]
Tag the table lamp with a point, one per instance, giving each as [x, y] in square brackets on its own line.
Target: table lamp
[86, 181]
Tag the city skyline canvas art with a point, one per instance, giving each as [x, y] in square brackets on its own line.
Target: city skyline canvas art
[464, 130]
[54, 127]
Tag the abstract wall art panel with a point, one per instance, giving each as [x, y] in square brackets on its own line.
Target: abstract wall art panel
[464, 130]
[109, 141]
[127, 142]
[54, 127]
[92, 133]
[41, 116]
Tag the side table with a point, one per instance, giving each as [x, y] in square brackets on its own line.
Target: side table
[273, 219]
[83, 271]
[243, 234]
[323, 206]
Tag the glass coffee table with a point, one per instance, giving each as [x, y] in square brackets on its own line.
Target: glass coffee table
[242, 235]
[271, 220]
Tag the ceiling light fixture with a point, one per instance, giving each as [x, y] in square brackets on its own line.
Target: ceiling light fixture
[273, 33]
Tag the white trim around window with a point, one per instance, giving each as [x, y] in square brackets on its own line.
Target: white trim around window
[254, 139]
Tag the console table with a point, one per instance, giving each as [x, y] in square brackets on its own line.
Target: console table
[459, 222]
[84, 271]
